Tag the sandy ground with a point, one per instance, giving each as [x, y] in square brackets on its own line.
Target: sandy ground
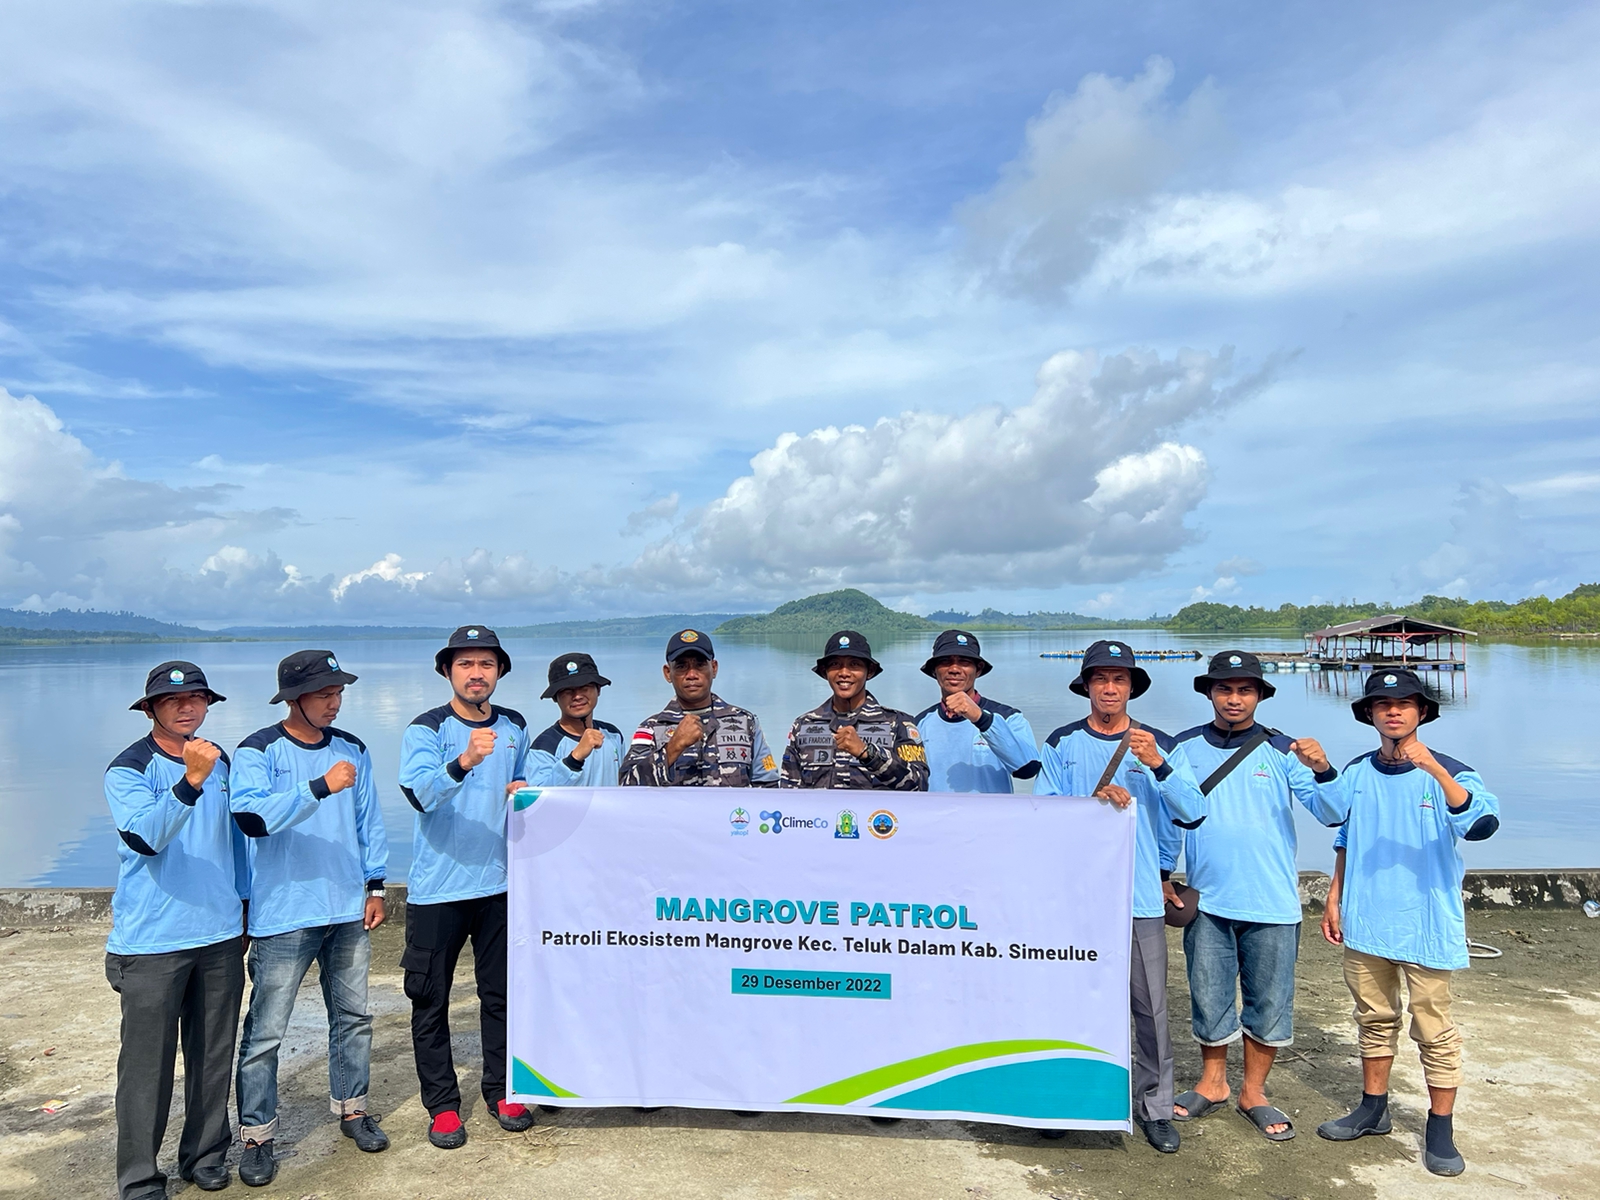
[1526, 1120]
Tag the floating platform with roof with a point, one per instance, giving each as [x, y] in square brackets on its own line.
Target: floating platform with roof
[1393, 640]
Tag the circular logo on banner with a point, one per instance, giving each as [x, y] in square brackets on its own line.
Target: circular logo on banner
[882, 823]
[739, 819]
[175, 675]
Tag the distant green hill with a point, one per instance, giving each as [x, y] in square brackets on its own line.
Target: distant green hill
[64, 622]
[827, 612]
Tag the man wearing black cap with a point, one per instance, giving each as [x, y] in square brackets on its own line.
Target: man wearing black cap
[959, 759]
[850, 740]
[1246, 933]
[1395, 905]
[304, 796]
[458, 763]
[577, 751]
[175, 953]
[699, 739]
[1113, 758]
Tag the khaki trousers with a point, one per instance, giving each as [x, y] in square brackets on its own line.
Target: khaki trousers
[1375, 984]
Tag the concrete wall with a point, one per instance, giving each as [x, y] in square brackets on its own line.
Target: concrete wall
[34, 907]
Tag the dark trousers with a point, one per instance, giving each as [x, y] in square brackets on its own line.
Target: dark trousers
[435, 935]
[189, 997]
[1152, 1059]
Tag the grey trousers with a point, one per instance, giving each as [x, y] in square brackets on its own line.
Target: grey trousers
[187, 997]
[1152, 1055]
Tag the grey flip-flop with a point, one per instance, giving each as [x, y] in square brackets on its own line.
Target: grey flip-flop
[1263, 1115]
[1198, 1106]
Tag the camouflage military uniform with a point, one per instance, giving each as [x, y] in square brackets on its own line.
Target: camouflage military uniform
[895, 760]
[732, 753]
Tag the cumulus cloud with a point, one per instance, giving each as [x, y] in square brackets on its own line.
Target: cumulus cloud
[1086, 483]
[1491, 553]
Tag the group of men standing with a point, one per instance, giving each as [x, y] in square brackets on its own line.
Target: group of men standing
[277, 858]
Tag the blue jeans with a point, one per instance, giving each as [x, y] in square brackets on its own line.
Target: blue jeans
[1247, 959]
[277, 966]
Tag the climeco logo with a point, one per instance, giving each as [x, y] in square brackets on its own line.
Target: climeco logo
[777, 822]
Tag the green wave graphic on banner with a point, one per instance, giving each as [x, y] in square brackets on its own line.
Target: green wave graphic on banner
[525, 1081]
[1044, 1089]
[853, 1088]
[524, 798]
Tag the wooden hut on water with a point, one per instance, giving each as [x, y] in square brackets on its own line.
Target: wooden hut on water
[1394, 640]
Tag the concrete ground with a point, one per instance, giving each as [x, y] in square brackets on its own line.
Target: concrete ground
[1526, 1120]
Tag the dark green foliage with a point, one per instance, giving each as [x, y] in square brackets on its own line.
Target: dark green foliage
[827, 612]
[1576, 612]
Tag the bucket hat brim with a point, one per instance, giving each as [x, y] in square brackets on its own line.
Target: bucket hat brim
[984, 665]
[1203, 683]
[307, 686]
[1139, 676]
[443, 659]
[175, 690]
[582, 679]
[874, 667]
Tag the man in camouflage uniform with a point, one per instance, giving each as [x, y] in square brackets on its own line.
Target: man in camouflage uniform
[698, 740]
[850, 740]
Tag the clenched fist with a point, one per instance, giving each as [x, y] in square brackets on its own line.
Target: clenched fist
[479, 746]
[199, 756]
[847, 739]
[1309, 751]
[591, 741]
[959, 704]
[340, 776]
[688, 732]
[1143, 744]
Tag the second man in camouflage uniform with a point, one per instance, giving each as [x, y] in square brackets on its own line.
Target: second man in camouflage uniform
[850, 740]
[698, 740]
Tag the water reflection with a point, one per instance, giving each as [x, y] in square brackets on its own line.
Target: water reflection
[1524, 715]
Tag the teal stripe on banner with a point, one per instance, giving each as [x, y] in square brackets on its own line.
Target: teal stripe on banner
[1062, 1089]
[845, 985]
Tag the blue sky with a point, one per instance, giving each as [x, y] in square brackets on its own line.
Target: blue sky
[414, 312]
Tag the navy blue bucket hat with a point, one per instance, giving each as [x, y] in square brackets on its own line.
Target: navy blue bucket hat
[471, 637]
[1234, 664]
[308, 671]
[956, 643]
[1395, 684]
[1111, 654]
[573, 670]
[847, 643]
[173, 679]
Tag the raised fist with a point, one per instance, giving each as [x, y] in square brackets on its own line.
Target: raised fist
[847, 739]
[1309, 751]
[959, 704]
[479, 746]
[591, 741]
[340, 776]
[1143, 745]
[199, 756]
[688, 732]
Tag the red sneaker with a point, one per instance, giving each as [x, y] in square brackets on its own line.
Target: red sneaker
[447, 1132]
[513, 1118]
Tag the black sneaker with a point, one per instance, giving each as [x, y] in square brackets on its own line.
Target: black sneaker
[208, 1179]
[365, 1132]
[257, 1167]
[1162, 1135]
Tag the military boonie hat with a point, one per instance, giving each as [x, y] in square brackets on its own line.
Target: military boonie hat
[308, 671]
[1394, 685]
[1111, 654]
[173, 679]
[847, 643]
[690, 641]
[1234, 664]
[471, 637]
[956, 643]
[573, 670]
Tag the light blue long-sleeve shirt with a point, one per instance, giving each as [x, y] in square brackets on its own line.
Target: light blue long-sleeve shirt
[312, 853]
[459, 843]
[181, 869]
[1402, 870]
[1165, 799]
[1242, 860]
[978, 757]
[550, 762]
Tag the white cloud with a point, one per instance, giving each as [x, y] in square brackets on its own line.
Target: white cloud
[1083, 484]
[1491, 553]
[654, 513]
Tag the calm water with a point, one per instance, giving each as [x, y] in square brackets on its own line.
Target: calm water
[1525, 716]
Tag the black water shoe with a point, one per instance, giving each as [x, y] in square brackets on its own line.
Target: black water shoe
[257, 1167]
[1162, 1135]
[209, 1179]
[1439, 1153]
[365, 1132]
[1370, 1116]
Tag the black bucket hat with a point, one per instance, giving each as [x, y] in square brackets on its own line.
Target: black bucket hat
[1234, 664]
[956, 643]
[1111, 654]
[847, 643]
[690, 641]
[172, 679]
[1393, 684]
[308, 671]
[573, 670]
[471, 637]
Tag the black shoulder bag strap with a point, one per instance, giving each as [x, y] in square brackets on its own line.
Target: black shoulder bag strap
[1117, 756]
[1237, 757]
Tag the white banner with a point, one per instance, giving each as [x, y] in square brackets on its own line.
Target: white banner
[885, 953]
